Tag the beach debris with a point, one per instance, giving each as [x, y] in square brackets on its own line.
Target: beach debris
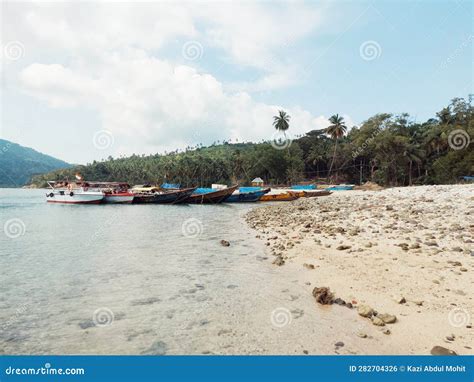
[323, 295]
[225, 243]
[387, 332]
[309, 266]
[365, 311]
[440, 350]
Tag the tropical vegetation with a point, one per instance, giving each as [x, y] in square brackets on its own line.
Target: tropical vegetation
[392, 150]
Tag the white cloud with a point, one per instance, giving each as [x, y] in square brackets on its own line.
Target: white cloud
[143, 99]
[123, 61]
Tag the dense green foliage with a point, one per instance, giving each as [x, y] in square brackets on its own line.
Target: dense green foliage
[18, 164]
[388, 149]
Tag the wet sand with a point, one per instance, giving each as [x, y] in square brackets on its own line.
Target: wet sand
[407, 252]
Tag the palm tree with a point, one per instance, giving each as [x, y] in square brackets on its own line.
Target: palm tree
[336, 130]
[281, 121]
[413, 154]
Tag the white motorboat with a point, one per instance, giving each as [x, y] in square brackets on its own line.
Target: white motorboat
[68, 194]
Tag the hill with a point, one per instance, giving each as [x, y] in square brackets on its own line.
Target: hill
[18, 164]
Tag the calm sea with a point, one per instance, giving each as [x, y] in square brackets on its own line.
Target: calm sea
[142, 279]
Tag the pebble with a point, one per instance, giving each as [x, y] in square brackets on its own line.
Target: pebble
[365, 311]
[225, 243]
[377, 321]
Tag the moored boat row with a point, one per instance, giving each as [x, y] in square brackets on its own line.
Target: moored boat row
[83, 192]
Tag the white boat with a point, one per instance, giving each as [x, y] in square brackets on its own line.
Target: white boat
[73, 195]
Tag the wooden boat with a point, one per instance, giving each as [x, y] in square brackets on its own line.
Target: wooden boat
[340, 187]
[68, 193]
[243, 196]
[313, 194]
[298, 194]
[114, 192]
[158, 196]
[281, 197]
[210, 195]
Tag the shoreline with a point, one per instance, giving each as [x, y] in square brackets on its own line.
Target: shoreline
[405, 251]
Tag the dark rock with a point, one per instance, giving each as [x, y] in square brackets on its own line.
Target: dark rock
[323, 295]
[339, 344]
[225, 243]
[343, 247]
[440, 350]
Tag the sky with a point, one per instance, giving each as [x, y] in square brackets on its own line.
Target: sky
[85, 80]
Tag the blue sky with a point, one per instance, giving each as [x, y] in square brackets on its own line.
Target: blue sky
[82, 81]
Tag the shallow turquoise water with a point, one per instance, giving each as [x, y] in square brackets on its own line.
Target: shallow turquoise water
[127, 279]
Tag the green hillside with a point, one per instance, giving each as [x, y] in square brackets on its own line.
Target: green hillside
[18, 164]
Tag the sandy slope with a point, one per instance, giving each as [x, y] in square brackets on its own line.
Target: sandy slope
[414, 243]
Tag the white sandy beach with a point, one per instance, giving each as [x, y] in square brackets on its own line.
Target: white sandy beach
[382, 248]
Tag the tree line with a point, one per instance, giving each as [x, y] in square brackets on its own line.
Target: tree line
[391, 150]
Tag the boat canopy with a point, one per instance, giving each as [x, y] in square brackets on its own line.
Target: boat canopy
[170, 185]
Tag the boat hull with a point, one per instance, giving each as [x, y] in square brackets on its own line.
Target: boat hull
[167, 197]
[247, 197]
[283, 197]
[76, 198]
[213, 197]
[340, 188]
[119, 198]
[314, 194]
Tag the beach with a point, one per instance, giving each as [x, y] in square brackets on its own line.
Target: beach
[399, 254]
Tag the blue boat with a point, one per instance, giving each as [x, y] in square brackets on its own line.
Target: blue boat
[247, 194]
[303, 187]
[341, 187]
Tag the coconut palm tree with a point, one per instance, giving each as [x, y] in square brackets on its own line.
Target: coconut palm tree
[281, 121]
[335, 130]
